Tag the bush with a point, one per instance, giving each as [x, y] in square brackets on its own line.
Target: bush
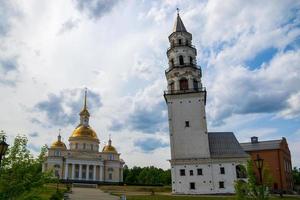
[57, 195]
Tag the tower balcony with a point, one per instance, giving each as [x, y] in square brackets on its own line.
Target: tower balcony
[181, 45]
[185, 91]
[192, 65]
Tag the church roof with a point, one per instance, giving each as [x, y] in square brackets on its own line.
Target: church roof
[179, 26]
[261, 145]
[225, 145]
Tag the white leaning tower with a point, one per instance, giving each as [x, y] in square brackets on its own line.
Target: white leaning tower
[201, 162]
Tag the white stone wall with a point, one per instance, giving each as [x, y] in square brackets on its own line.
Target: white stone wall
[208, 183]
[187, 142]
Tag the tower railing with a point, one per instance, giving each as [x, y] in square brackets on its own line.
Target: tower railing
[190, 90]
[197, 67]
[180, 45]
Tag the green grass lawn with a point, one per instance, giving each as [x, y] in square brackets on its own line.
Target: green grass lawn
[165, 197]
[44, 192]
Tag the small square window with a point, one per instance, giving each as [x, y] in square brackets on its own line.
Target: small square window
[222, 170]
[199, 172]
[192, 186]
[191, 173]
[187, 123]
[182, 172]
[221, 184]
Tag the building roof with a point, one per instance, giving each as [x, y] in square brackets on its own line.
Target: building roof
[261, 145]
[179, 26]
[225, 145]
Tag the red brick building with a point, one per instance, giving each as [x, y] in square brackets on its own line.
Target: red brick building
[277, 159]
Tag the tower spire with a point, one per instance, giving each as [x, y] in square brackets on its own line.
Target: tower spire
[179, 26]
[84, 114]
[59, 136]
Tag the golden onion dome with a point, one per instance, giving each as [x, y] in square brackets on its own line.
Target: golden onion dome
[58, 144]
[84, 132]
[109, 148]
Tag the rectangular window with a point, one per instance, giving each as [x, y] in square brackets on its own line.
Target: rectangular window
[199, 172]
[221, 184]
[182, 172]
[191, 173]
[110, 176]
[222, 170]
[187, 123]
[192, 186]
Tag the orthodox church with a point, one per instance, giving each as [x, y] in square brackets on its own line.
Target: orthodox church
[202, 162]
[82, 161]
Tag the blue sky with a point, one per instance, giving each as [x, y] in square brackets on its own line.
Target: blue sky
[51, 50]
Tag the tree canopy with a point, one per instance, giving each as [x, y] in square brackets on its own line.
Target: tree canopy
[146, 176]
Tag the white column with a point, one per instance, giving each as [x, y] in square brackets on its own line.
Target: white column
[80, 171]
[66, 171]
[73, 171]
[101, 173]
[94, 172]
[191, 82]
[87, 172]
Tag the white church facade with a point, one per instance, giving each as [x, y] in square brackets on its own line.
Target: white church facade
[202, 162]
[83, 162]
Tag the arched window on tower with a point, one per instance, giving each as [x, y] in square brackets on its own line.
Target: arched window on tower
[191, 60]
[179, 41]
[195, 84]
[181, 60]
[183, 84]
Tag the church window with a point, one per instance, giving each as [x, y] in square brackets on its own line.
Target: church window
[110, 176]
[77, 171]
[192, 186]
[182, 172]
[221, 184]
[191, 173]
[199, 172]
[91, 168]
[241, 171]
[187, 123]
[181, 60]
[57, 153]
[110, 169]
[76, 146]
[84, 145]
[222, 170]
[195, 84]
[183, 84]
[179, 41]
[110, 157]
[92, 147]
[191, 60]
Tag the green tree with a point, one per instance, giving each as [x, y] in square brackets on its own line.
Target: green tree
[20, 171]
[296, 176]
[252, 189]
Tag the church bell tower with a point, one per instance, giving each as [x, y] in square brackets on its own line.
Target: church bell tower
[185, 98]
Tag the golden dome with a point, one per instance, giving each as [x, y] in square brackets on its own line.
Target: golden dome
[58, 144]
[84, 132]
[109, 148]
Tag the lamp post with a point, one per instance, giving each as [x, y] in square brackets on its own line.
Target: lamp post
[259, 162]
[3, 148]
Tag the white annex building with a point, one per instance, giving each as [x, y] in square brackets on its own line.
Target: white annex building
[202, 162]
[83, 162]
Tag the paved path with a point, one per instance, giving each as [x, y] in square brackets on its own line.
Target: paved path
[90, 194]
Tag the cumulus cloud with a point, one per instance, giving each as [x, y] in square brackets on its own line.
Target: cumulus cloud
[238, 90]
[68, 25]
[150, 144]
[63, 108]
[8, 71]
[95, 8]
[147, 111]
